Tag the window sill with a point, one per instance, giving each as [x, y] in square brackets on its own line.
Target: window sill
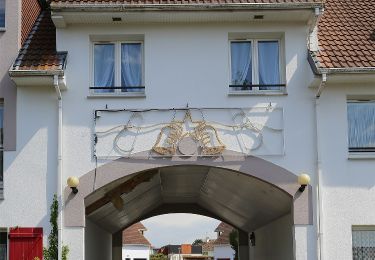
[119, 95]
[256, 93]
[2, 29]
[361, 155]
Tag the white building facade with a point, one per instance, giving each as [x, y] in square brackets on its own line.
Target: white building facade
[154, 101]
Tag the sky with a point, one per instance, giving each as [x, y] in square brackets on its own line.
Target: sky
[178, 228]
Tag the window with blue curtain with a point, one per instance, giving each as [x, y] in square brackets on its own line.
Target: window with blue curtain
[255, 65]
[268, 65]
[2, 13]
[131, 67]
[361, 126]
[104, 67]
[241, 64]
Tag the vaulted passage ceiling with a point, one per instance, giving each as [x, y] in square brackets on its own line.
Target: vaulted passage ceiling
[238, 199]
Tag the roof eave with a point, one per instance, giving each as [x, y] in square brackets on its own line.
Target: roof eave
[182, 7]
[26, 73]
[318, 70]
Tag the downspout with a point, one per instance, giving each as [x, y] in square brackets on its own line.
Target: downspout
[319, 195]
[59, 165]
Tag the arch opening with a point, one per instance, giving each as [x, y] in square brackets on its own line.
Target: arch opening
[248, 193]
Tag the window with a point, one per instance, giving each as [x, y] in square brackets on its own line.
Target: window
[363, 243]
[361, 126]
[255, 65]
[1, 152]
[3, 244]
[2, 14]
[117, 67]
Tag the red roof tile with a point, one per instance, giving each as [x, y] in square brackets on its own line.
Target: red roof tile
[133, 235]
[347, 34]
[138, 2]
[39, 49]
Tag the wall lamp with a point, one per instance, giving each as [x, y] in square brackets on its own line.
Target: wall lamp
[303, 180]
[73, 184]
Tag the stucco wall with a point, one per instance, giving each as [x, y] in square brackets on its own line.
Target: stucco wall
[135, 251]
[30, 172]
[274, 241]
[194, 70]
[223, 251]
[9, 45]
[98, 242]
[348, 184]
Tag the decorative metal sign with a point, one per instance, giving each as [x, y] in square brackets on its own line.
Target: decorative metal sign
[188, 131]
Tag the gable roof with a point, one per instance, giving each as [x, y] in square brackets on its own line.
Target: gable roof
[225, 229]
[133, 235]
[38, 53]
[346, 34]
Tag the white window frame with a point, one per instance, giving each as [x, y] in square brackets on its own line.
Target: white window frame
[358, 153]
[117, 65]
[255, 65]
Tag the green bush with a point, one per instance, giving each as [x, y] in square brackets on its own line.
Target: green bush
[51, 252]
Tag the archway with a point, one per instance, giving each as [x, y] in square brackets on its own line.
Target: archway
[246, 192]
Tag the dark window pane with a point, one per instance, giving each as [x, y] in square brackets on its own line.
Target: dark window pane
[3, 245]
[2, 13]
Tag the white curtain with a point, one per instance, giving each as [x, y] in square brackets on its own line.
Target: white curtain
[361, 121]
[241, 63]
[268, 56]
[104, 67]
[131, 66]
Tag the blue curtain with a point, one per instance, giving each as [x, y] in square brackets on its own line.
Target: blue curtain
[104, 67]
[361, 123]
[241, 63]
[268, 56]
[131, 66]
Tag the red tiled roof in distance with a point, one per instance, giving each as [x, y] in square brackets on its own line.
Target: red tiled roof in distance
[133, 235]
[225, 229]
[346, 34]
[208, 246]
[139, 2]
[39, 49]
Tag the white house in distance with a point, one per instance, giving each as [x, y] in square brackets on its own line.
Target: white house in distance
[208, 107]
[222, 248]
[135, 244]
